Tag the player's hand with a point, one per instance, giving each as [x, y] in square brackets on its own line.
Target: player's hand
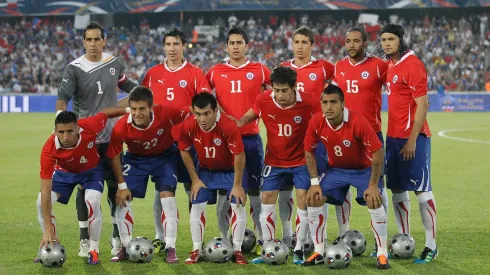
[408, 150]
[196, 186]
[372, 196]
[313, 194]
[48, 239]
[239, 193]
[122, 196]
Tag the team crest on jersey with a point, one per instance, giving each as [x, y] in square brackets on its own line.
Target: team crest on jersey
[298, 119]
[112, 71]
[183, 83]
[250, 76]
[217, 141]
[312, 76]
[365, 75]
[395, 79]
[346, 143]
[90, 145]
[160, 132]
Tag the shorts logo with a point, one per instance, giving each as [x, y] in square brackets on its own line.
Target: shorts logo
[160, 132]
[112, 71]
[217, 141]
[395, 79]
[297, 119]
[346, 143]
[90, 145]
[183, 83]
[250, 76]
[312, 76]
[365, 75]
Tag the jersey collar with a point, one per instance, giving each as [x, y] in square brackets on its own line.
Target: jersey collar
[184, 63]
[130, 121]
[218, 116]
[312, 59]
[366, 56]
[298, 99]
[57, 143]
[409, 53]
[345, 119]
[227, 63]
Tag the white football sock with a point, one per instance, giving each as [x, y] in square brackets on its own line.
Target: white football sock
[301, 228]
[223, 211]
[239, 222]
[317, 223]
[286, 204]
[170, 220]
[198, 224]
[40, 218]
[380, 229]
[325, 216]
[385, 201]
[401, 206]
[268, 221]
[427, 207]
[255, 209]
[157, 216]
[343, 214]
[124, 218]
[92, 199]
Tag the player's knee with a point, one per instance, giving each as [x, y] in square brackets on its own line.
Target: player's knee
[167, 194]
[253, 192]
[288, 187]
[301, 199]
[187, 186]
[316, 202]
[222, 192]
[92, 198]
[269, 197]
[397, 191]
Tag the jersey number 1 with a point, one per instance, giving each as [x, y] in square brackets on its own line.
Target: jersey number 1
[100, 88]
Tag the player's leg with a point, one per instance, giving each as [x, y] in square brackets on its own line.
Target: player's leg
[239, 223]
[321, 158]
[286, 206]
[82, 215]
[158, 243]
[301, 179]
[223, 212]
[343, 214]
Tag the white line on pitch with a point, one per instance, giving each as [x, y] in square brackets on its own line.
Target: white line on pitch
[444, 135]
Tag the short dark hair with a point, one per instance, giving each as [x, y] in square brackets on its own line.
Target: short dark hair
[333, 89]
[284, 75]
[65, 117]
[306, 32]
[362, 31]
[237, 30]
[141, 93]
[94, 25]
[202, 100]
[174, 32]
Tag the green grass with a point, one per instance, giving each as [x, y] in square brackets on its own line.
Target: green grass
[460, 173]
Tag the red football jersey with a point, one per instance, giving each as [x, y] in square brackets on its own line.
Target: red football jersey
[153, 140]
[349, 145]
[216, 148]
[237, 87]
[406, 80]
[84, 156]
[311, 77]
[175, 87]
[362, 84]
[286, 128]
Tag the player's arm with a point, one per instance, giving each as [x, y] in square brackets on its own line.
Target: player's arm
[314, 194]
[67, 88]
[123, 102]
[124, 83]
[185, 144]
[115, 111]
[235, 145]
[47, 169]
[266, 81]
[329, 70]
[248, 117]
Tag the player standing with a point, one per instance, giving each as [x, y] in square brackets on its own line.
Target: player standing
[151, 152]
[313, 74]
[361, 76]
[70, 157]
[285, 113]
[237, 82]
[408, 137]
[355, 159]
[221, 157]
[92, 81]
[174, 82]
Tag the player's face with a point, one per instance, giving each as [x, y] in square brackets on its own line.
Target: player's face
[67, 134]
[283, 94]
[237, 48]
[354, 44]
[301, 46]
[141, 113]
[174, 48]
[390, 43]
[206, 117]
[93, 42]
[332, 107]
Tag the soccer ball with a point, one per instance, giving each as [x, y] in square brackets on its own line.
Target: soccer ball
[355, 240]
[218, 250]
[308, 247]
[275, 252]
[140, 250]
[402, 246]
[52, 255]
[338, 255]
[249, 241]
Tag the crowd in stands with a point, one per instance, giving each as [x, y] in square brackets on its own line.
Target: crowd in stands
[34, 53]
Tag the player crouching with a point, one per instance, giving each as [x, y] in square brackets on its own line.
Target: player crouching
[221, 156]
[355, 158]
